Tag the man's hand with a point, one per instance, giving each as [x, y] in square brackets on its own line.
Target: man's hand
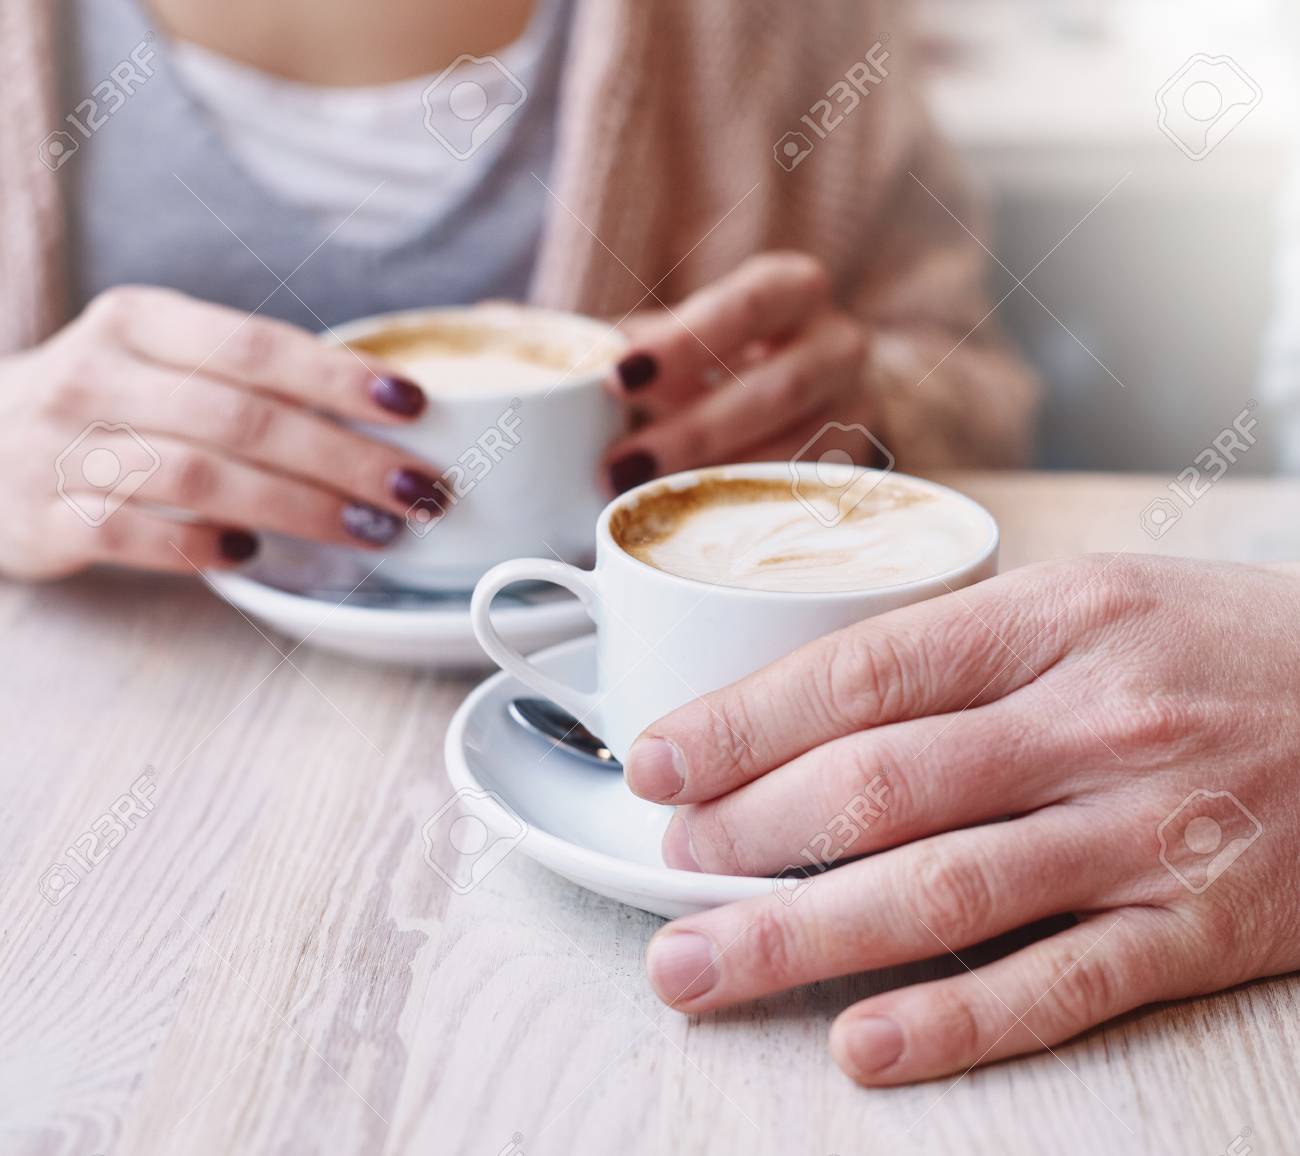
[1135, 717]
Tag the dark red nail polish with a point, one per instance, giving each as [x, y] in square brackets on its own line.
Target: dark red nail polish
[237, 545]
[370, 525]
[412, 486]
[637, 371]
[397, 395]
[632, 470]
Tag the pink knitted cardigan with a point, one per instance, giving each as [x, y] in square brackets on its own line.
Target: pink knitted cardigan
[666, 178]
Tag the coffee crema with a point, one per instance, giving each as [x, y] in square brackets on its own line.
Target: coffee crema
[488, 349]
[758, 534]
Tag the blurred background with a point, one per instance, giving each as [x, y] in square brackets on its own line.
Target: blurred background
[1159, 304]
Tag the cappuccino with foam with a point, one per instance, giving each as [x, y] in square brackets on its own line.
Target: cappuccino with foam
[491, 349]
[816, 537]
[517, 422]
[705, 577]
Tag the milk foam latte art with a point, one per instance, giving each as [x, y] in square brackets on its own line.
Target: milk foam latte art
[503, 349]
[704, 577]
[758, 535]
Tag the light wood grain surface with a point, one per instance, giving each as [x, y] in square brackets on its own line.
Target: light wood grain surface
[264, 963]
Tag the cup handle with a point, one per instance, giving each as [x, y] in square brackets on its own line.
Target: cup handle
[580, 704]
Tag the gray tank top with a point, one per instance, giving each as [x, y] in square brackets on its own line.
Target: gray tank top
[132, 221]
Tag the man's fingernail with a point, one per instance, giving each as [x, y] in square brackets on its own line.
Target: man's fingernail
[682, 965]
[632, 470]
[676, 847]
[370, 525]
[871, 1044]
[412, 486]
[397, 395]
[655, 769]
[237, 545]
[637, 371]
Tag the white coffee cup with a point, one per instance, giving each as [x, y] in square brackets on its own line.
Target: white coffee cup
[663, 640]
[520, 466]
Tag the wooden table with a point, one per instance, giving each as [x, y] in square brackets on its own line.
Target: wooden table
[265, 963]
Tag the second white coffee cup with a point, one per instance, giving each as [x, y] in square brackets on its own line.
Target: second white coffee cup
[519, 467]
[663, 640]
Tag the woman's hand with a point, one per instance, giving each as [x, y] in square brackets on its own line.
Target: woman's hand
[753, 368]
[153, 401]
[1135, 717]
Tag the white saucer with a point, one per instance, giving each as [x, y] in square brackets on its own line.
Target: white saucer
[577, 819]
[331, 601]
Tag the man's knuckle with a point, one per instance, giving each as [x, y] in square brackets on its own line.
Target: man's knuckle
[1171, 724]
[773, 947]
[1084, 989]
[954, 897]
[714, 835]
[860, 764]
[1226, 919]
[872, 791]
[730, 734]
[863, 677]
[956, 1022]
[1104, 589]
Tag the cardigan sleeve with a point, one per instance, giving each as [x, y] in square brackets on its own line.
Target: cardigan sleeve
[945, 387]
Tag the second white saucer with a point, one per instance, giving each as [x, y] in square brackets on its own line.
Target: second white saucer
[330, 602]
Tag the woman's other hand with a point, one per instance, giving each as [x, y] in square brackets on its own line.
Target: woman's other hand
[758, 366]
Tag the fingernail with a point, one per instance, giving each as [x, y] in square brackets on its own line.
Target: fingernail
[637, 371]
[682, 965]
[412, 486]
[632, 470]
[676, 847]
[237, 545]
[397, 395]
[370, 525]
[655, 769]
[871, 1043]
